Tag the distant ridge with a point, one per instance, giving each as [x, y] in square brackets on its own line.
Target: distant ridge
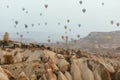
[104, 39]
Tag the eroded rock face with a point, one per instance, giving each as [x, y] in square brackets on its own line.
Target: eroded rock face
[6, 75]
[37, 64]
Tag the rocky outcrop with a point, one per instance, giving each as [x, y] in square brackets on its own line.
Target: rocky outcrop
[37, 64]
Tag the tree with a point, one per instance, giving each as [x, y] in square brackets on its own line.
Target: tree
[6, 37]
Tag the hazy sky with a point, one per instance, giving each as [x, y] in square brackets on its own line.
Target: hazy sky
[96, 18]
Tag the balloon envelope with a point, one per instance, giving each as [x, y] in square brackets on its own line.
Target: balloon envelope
[23, 9]
[46, 6]
[112, 22]
[26, 26]
[83, 10]
[78, 36]
[16, 22]
[62, 37]
[21, 36]
[102, 3]
[40, 14]
[49, 40]
[68, 20]
[118, 24]
[65, 27]
[80, 2]
[79, 25]
[32, 25]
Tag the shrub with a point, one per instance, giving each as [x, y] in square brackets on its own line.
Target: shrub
[9, 59]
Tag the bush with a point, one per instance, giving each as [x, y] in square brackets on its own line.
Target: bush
[9, 59]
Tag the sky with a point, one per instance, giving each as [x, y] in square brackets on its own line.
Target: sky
[96, 18]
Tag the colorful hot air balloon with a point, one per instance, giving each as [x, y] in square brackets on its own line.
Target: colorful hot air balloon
[27, 32]
[46, 5]
[65, 27]
[26, 12]
[108, 37]
[62, 37]
[80, 2]
[48, 36]
[26, 26]
[32, 25]
[38, 24]
[17, 33]
[7, 6]
[102, 3]
[16, 22]
[79, 25]
[66, 38]
[58, 23]
[118, 24]
[12, 19]
[65, 32]
[15, 26]
[68, 20]
[21, 36]
[49, 40]
[23, 9]
[45, 23]
[78, 36]
[40, 14]
[69, 29]
[84, 10]
[112, 22]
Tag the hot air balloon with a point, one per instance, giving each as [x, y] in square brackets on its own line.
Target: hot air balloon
[17, 33]
[39, 24]
[7, 6]
[26, 12]
[49, 40]
[26, 26]
[23, 9]
[68, 20]
[118, 24]
[40, 14]
[66, 37]
[45, 23]
[16, 22]
[80, 2]
[112, 22]
[65, 32]
[102, 3]
[108, 37]
[46, 5]
[58, 23]
[48, 36]
[27, 32]
[69, 29]
[79, 25]
[21, 36]
[32, 25]
[84, 10]
[78, 36]
[15, 26]
[62, 37]
[12, 19]
[65, 27]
